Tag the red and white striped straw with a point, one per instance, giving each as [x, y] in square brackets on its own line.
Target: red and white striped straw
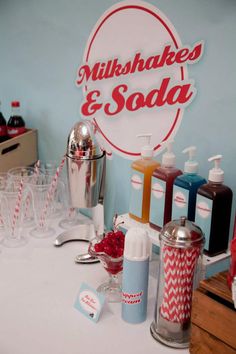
[1, 221]
[35, 175]
[17, 206]
[36, 168]
[51, 192]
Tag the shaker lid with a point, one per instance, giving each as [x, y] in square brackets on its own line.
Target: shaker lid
[82, 142]
[182, 233]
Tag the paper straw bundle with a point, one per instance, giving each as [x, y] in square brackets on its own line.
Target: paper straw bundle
[179, 267]
[51, 192]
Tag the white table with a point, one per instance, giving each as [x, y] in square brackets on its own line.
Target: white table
[39, 284]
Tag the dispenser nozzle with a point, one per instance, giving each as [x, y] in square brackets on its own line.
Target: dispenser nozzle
[216, 174]
[216, 159]
[168, 158]
[147, 150]
[147, 136]
[191, 150]
[190, 166]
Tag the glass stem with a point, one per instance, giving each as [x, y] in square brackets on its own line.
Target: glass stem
[113, 279]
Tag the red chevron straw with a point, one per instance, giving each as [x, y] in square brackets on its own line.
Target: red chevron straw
[179, 267]
[17, 206]
[51, 192]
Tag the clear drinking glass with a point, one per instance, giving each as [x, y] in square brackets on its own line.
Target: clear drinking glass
[3, 184]
[26, 175]
[12, 209]
[70, 218]
[16, 174]
[42, 197]
[58, 203]
[49, 169]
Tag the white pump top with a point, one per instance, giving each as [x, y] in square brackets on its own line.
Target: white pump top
[168, 158]
[146, 150]
[190, 166]
[137, 244]
[216, 174]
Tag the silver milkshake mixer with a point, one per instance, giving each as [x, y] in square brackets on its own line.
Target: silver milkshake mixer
[86, 179]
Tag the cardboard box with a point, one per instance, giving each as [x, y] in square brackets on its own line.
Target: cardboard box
[213, 318]
[19, 151]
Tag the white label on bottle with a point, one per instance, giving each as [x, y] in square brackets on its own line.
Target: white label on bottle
[157, 205]
[158, 190]
[203, 217]
[136, 197]
[180, 202]
[136, 182]
[203, 209]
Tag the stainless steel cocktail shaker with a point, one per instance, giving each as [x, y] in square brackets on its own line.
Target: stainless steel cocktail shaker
[85, 166]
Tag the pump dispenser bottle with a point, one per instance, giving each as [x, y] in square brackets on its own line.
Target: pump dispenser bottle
[185, 188]
[162, 189]
[141, 174]
[213, 210]
[135, 275]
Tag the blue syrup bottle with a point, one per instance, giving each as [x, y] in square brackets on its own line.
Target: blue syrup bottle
[185, 188]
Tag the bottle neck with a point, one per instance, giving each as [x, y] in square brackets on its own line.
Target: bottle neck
[191, 173]
[15, 111]
[215, 183]
[146, 157]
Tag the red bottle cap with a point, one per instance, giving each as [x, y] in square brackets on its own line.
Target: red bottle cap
[15, 104]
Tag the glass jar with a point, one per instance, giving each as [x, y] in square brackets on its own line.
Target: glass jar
[181, 246]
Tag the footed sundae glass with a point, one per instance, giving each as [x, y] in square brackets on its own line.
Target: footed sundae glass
[112, 263]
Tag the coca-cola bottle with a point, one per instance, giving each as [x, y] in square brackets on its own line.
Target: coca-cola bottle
[3, 127]
[15, 124]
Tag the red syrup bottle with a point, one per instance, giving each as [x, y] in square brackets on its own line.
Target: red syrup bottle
[162, 190]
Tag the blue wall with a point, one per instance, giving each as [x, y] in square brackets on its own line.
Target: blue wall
[42, 44]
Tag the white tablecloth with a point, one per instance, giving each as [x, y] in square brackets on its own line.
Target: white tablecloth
[39, 284]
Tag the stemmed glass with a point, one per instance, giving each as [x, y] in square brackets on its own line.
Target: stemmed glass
[71, 218]
[27, 175]
[3, 184]
[42, 199]
[12, 209]
[114, 266]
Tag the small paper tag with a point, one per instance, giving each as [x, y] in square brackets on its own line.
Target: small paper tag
[89, 302]
[234, 291]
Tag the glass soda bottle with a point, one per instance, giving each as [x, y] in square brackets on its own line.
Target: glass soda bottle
[3, 127]
[16, 124]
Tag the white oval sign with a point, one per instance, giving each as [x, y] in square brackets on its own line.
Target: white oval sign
[136, 182]
[203, 210]
[158, 191]
[135, 77]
